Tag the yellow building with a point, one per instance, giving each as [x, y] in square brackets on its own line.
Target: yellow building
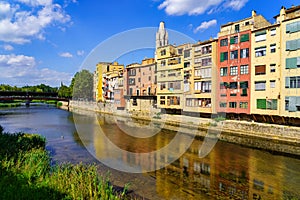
[199, 88]
[108, 74]
[290, 61]
[170, 64]
[266, 70]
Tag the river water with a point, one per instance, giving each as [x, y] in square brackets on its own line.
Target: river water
[229, 171]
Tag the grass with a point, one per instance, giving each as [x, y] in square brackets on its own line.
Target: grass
[26, 173]
[2, 105]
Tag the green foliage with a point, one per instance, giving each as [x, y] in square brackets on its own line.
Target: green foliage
[10, 104]
[25, 173]
[82, 85]
[37, 88]
[64, 91]
[219, 119]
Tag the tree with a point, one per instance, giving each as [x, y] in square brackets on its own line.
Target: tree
[82, 85]
[64, 91]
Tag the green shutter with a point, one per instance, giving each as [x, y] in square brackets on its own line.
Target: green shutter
[298, 44]
[232, 41]
[244, 38]
[261, 33]
[261, 103]
[222, 57]
[290, 63]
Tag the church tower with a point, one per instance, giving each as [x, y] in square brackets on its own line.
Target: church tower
[161, 36]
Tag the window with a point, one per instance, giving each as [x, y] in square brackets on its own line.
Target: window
[131, 72]
[272, 68]
[233, 70]
[260, 36]
[260, 51]
[273, 48]
[223, 104]
[223, 71]
[131, 81]
[224, 42]
[137, 92]
[273, 32]
[260, 85]
[292, 63]
[234, 54]
[186, 64]
[176, 85]
[187, 53]
[139, 79]
[244, 37]
[233, 85]
[180, 51]
[245, 53]
[223, 56]
[198, 49]
[206, 61]
[206, 86]
[270, 104]
[224, 85]
[149, 78]
[232, 104]
[197, 72]
[292, 82]
[237, 28]
[173, 100]
[293, 27]
[162, 100]
[260, 70]
[244, 84]
[206, 49]
[163, 52]
[234, 40]
[292, 103]
[244, 105]
[205, 73]
[197, 60]
[244, 69]
[163, 63]
[293, 45]
[162, 86]
[272, 84]
[197, 86]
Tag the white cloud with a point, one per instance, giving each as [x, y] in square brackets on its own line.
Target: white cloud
[22, 70]
[20, 25]
[66, 55]
[8, 47]
[235, 4]
[197, 7]
[80, 52]
[205, 25]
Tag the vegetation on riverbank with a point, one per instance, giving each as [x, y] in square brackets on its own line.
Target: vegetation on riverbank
[9, 105]
[26, 173]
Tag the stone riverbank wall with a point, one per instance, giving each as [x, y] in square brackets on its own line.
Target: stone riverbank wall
[271, 137]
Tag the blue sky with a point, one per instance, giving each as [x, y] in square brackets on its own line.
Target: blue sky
[48, 41]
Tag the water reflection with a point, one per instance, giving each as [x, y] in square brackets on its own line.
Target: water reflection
[229, 171]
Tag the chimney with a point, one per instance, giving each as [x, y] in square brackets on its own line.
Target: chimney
[253, 13]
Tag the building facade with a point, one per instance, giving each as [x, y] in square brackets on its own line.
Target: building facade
[140, 85]
[200, 96]
[234, 64]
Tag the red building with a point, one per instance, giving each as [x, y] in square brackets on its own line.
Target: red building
[234, 64]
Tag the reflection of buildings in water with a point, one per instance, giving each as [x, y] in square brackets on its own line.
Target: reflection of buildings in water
[291, 187]
[217, 174]
[266, 176]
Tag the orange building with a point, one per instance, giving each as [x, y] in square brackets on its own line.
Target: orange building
[234, 64]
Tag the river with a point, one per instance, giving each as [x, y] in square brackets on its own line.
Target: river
[229, 171]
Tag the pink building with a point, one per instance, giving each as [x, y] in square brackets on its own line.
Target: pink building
[140, 85]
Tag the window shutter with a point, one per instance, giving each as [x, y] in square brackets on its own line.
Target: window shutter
[287, 82]
[261, 103]
[288, 45]
[222, 57]
[288, 28]
[291, 63]
[232, 41]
